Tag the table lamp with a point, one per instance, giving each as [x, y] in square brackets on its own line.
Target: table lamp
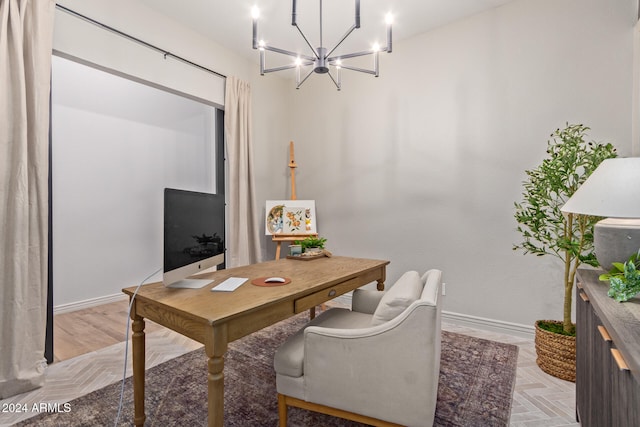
[611, 191]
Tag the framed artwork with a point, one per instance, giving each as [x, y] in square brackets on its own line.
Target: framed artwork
[290, 217]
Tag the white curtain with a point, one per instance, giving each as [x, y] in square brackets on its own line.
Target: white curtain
[243, 240]
[26, 31]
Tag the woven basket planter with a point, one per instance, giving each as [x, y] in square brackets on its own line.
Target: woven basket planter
[556, 353]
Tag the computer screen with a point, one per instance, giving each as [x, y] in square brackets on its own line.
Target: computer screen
[194, 230]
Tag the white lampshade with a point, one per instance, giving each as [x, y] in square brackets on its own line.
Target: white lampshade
[612, 190]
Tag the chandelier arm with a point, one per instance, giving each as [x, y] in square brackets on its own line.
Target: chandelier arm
[334, 80]
[288, 53]
[349, 31]
[355, 54]
[305, 79]
[361, 70]
[284, 67]
[308, 43]
[355, 26]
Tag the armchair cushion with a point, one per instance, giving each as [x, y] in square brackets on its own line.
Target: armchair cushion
[289, 358]
[366, 300]
[405, 291]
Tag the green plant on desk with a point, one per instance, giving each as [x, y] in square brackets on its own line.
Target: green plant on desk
[624, 279]
[312, 242]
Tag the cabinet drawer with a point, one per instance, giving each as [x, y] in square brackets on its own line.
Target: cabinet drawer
[324, 295]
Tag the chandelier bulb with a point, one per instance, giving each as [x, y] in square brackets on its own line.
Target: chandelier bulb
[388, 19]
[255, 12]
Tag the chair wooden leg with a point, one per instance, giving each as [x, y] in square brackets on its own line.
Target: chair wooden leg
[282, 410]
[298, 403]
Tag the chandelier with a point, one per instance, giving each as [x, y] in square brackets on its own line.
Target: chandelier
[321, 60]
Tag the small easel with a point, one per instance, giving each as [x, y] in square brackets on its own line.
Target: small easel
[279, 238]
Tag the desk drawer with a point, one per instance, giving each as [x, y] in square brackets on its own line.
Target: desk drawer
[324, 295]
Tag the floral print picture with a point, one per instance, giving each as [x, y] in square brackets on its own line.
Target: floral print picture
[290, 217]
[274, 219]
[294, 220]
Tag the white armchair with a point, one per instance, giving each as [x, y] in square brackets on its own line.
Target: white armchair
[377, 363]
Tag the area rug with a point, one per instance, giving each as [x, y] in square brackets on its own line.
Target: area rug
[477, 378]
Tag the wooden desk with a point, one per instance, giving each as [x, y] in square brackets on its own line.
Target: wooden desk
[217, 318]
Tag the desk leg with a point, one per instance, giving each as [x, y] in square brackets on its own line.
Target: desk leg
[138, 369]
[215, 348]
[383, 277]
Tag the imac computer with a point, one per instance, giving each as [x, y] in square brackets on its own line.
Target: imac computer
[193, 236]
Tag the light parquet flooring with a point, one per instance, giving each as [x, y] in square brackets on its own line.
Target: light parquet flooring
[91, 329]
[89, 360]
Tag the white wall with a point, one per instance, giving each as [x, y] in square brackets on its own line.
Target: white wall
[423, 164]
[77, 39]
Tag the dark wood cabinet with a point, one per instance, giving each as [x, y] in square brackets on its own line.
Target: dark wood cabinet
[607, 355]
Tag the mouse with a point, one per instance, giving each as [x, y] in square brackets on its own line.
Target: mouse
[274, 279]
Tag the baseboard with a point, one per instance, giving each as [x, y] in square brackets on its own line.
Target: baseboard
[523, 331]
[79, 305]
[517, 329]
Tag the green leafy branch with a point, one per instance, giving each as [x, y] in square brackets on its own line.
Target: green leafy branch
[624, 279]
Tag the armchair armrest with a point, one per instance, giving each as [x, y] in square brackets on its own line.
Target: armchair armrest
[366, 300]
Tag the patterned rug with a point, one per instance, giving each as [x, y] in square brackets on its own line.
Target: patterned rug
[476, 384]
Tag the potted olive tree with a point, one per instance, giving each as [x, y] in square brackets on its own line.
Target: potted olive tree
[567, 237]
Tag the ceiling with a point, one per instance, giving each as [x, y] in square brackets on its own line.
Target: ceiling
[228, 23]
